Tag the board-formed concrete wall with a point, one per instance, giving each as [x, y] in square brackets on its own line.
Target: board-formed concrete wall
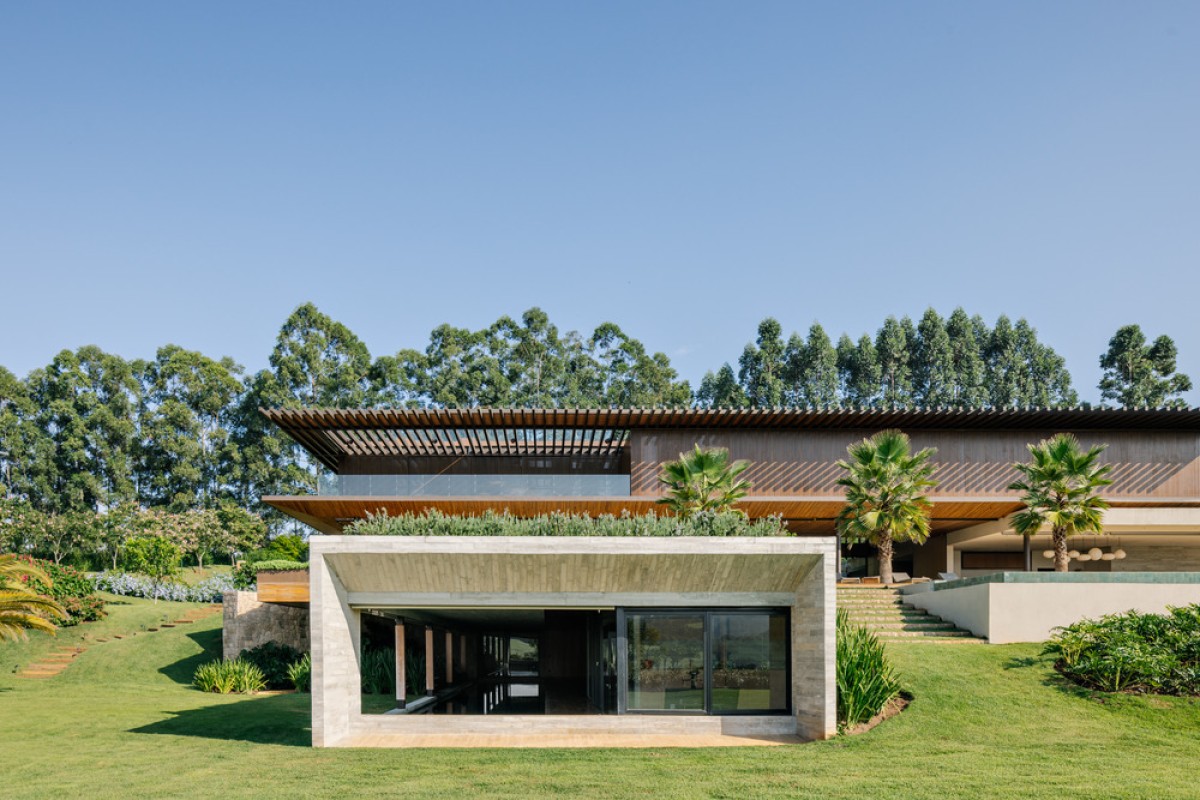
[247, 623]
[352, 572]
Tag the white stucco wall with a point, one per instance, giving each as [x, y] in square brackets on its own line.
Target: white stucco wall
[1028, 612]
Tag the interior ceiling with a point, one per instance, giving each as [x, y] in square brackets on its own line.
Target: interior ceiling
[510, 620]
[1008, 542]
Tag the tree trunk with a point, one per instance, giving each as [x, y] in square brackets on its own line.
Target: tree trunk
[885, 557]
[1060, 550]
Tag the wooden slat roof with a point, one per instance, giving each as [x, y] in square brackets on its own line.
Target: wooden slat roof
[333, 434]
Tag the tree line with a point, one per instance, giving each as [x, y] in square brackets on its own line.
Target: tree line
[181, 432]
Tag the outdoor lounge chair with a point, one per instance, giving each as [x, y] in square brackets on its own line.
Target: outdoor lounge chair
[901, 577]
[948, 576]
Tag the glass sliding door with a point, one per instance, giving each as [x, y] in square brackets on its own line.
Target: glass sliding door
[749, 662]
[714, 661]
[666, 668]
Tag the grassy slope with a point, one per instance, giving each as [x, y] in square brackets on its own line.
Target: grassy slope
[986, 722]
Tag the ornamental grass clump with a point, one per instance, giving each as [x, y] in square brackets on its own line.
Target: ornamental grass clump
[1132, 652]
[491, 523]
[300, 674]
[866, 679]
[227, 677]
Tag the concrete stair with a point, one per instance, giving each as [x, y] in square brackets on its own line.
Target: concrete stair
[885, 613]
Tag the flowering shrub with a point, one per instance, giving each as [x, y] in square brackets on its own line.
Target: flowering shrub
[70, 587]
[128, 584]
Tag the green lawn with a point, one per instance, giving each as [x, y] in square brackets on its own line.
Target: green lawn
[986, 722]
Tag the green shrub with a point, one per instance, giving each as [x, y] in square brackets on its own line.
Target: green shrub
[285, 547]
[414, 673]
[866, 679]
[1133, 652]
[245, 574]
[378, 671]
[72, 589]
[274, 660]
[491, 523]
[224, 677]
[300, 674]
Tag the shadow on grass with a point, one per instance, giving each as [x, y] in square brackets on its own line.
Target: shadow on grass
[1024, 662]
[182, 670]
[282, 719]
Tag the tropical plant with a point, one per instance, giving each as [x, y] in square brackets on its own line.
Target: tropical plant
[1060, 489]
[866, 679]
[703, 480]
[378, 670]
[300, 674]
[414, 673]
[886, 500]
[275, 660]
[22, 609]
[224, 677]
[1157, 653]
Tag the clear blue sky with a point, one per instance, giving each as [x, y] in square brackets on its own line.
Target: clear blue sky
[190, 172]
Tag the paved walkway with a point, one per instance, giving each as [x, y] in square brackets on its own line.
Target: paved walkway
[570, 740]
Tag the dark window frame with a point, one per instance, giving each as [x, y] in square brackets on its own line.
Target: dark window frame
[706, 612]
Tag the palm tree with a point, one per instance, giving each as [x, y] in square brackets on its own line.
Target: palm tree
[1060, 488]
[885, 494]
[703, 480]
[21, 609]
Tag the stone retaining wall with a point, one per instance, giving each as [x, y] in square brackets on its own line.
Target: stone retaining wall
[249, 623]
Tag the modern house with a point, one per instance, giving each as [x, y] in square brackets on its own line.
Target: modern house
[692, 636]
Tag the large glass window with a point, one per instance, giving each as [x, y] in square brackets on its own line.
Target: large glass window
[666, 662]
[749, 662]
[715, 661]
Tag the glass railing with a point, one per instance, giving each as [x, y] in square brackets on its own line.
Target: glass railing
[474, 485]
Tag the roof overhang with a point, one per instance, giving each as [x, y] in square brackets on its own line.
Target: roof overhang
[329, 514]
[333, 435]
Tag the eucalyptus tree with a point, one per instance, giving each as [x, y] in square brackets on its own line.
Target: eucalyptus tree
[812, 369]
[935, 379]
[629, 376]
[859, 371]
[892, 345]
[761, 366]
[1044, 381]
[1004, 365]
[187, 402]
[886, 494]
[1138, 374]
[1060, 489]
[966, 359]
[703, 481]
[86, 404]
[721, 390]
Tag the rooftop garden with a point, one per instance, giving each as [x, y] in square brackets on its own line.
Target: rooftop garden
[490, 523]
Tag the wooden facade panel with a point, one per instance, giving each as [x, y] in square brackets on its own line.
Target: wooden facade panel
[970, 463]
[283, 587]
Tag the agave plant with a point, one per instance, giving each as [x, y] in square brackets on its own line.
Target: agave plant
[1060, 489]
[703, 480]
[885, 494]
[22, 610]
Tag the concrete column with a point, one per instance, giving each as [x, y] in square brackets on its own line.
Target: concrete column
[428, 660]
[814, 651]
[401, 671]
[336, 674]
